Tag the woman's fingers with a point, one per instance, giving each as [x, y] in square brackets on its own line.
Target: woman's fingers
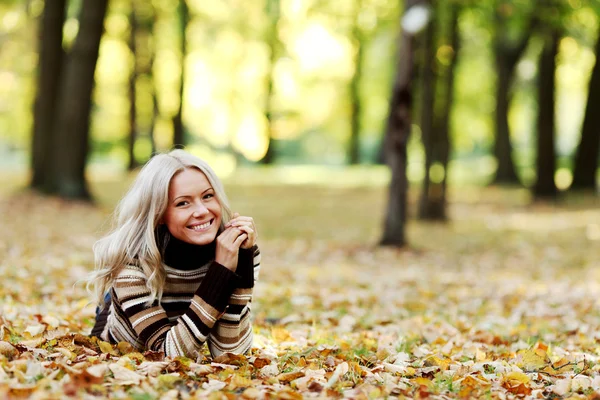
[251, 240]
[240, 239]
[246, 225]
[238, 220]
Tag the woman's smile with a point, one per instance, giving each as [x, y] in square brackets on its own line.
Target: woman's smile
[202, 226]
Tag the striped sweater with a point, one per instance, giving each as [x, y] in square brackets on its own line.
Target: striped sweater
[202, 302]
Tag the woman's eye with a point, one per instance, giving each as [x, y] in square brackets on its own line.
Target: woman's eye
[181, 203]
[209, 196]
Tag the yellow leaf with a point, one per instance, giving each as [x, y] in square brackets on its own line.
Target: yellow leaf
[169, 381]
[289, 376]
[281, 335]
[422, 382]
[469, 385]
[436, 361]
[106, 347]
[238, 381]
[480, 355]
[532, 359]
[516, 377]
[124, 348]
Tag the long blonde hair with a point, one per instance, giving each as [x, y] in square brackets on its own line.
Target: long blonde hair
[137, 237]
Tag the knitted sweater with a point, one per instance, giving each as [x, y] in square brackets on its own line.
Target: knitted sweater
[202, 302]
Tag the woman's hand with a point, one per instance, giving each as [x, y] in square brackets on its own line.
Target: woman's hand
[228, 246]
[246, 225]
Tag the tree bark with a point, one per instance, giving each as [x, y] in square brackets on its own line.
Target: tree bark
[132, 94]
[545, 164]
[178, 125]
[396, 140]
[49, 72]
[505, 173]
[433, 202]
[72, 126]
[273, 12]
[355, 99]
[146, 16]
[506, 55]
[428, 81]
[586, 159]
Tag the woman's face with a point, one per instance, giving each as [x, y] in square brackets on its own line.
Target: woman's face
[193, 213]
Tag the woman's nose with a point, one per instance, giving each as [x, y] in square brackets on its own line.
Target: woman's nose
[200, 210]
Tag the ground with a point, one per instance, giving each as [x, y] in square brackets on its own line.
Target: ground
[500, 302]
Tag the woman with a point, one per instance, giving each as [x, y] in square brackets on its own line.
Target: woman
[179, 268]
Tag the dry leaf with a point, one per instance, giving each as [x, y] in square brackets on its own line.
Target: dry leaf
[8, 350]
[124, 376]
[289, 376]
[35, 330]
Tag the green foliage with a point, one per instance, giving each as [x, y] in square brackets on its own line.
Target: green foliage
[228, 66]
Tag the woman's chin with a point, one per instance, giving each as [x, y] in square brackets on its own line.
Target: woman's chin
[201, 239]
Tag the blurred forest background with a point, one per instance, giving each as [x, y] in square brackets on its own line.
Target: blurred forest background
[491, 91]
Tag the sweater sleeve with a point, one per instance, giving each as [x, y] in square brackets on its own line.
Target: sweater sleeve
[233, 331]
[186, 335]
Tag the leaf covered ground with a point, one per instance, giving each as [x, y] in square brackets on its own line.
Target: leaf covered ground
[503, 302]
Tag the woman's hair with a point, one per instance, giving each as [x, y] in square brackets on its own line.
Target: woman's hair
[137, 237]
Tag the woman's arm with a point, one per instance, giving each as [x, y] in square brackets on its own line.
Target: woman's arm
[233, 331]
[186, 335]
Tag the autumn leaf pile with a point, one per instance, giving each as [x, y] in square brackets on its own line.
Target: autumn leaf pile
[503, 302]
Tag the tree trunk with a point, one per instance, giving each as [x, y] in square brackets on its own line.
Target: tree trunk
[428, 80]
[178, 125]
[146, 16]
[433, 203]
[506, 55]
[505, 173]
[132, 94]
[396, 140]
[586, 159]
[155, 114]
[273, 41]
[545, 163]
[72, 126]
[49, 72]
[355, 99]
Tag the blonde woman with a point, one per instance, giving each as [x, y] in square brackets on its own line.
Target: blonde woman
[179, 268]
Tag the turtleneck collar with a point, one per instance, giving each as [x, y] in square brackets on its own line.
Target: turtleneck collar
[186, 256]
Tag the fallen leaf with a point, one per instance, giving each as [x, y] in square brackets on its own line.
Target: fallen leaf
[289, 376]
[124, 376]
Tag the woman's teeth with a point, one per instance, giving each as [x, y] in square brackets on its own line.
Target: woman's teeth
[201, 227]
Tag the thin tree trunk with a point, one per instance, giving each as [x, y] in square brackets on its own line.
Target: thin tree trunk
[586, 159]
[146, 21]
[355, 99]
[396, 140]
[155, 114]
[435, 207]
[178, 125]
[49, 72]
[428, 80]
[132, 94]
[273, 40]
[505, 173]
[506, 55]
[72, 127]
[545, 163]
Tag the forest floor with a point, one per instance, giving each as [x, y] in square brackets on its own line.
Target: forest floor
[500, 302]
